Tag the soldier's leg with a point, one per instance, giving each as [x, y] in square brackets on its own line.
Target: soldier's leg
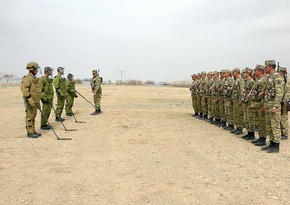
[284, 123]
[251, 119]
[69, 104]
[59, 106]
[230, 119]
[275, 125]
[209, 107]
[245, 115]
[262, 124]
[30, 119]
[235, 111]
[97, 100]
[46, 109]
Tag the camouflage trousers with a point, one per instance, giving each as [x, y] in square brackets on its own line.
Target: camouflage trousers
[97, 99]
[204, 105]
[252, 119]
[198, 104]
[222, 109]
[46, 108]
[209, 107]
[261, 123]
[69, 104]
[273, 124]
[215, 108]
[59, 106]
[284, 121]
[238, 114]
[245, 116]
[229, 111]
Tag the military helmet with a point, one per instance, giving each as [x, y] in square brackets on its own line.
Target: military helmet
[236, 70]
[70, 75]
[282, 69]
[260, 67]
[60, 68]
[247, 70]
[94, 71]
[46, 69]
[32, 66]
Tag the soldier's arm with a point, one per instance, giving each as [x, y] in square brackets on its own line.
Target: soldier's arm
[279, 91]
[42, 94]
[25, 87]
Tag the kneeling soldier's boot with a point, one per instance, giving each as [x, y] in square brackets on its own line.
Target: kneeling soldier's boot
[275, 148]
[251, 136]
[267, 147]
[261, 142]
[239, 131]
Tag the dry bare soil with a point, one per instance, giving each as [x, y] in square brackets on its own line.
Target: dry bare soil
[145, 148]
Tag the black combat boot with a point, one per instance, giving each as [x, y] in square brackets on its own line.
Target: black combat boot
[59, 119]
[234, 130]
[230, 127]
[217, 121]
[45, 127]
[284, 137]
[69, 114]
[251, 136]
[261, 142]
[223, 124]
[96, 112]
[210, 120]
[204, 117]
[267, 147]
[245, 136]
[32, 135]
[275, 148]
[239, 131]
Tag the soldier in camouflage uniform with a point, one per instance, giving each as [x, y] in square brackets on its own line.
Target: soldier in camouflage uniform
[195, 94]
[60, 89]
[47, 94]
[214, 98]
[284, 117]
[249, 82]
[202, 93]
[227, 90]
[208, 96]
[71, 91]
[31, 96]
[97, 91]
[274, 92]
[238, 87]
[221, 100]
[191, 88]
[256, 102]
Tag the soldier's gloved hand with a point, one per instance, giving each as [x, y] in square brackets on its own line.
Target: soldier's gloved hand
[31, 102]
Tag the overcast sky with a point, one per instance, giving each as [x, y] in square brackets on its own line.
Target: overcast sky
[161, 40]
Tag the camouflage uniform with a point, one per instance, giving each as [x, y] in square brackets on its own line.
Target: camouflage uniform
[221, 102]
[227, 92]
[47, 94]
[71, 91]
[208, 96]
[214, 98]
[97, 91]
[191, 88]
[284, 113]
[273, 97]
[61, 93]
[238, 87]
[202, 92]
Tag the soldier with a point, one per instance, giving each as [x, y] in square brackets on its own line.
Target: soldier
[249, 82]
[97, 91]
[227, 90]
[256, 102]
[71, 91]
[47, 94]
[208, 96]
[60, 89]
[238, 87]
[214, 98]
[274, 92]
[31, 96]
[198, 97]
[284, 117]
[191, 88]
[202, 93]
[221, 100]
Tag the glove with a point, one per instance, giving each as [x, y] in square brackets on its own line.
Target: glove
[31, 102]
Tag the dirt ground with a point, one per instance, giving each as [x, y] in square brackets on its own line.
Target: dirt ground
[145, 148]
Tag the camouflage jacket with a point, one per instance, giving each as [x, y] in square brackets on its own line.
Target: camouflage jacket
[202, 87]
[274, 91]
[255, 100]
[59, 85]
[208, 85]
[46, 88]
[70, 87]
[238, 88]
[247, 88]
[227, 88]
[96, 84]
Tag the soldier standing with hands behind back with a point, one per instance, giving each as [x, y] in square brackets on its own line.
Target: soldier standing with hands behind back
[60, 89]
[97, 91]
[31, 95]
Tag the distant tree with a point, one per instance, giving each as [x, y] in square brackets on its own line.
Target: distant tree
[79, 81]
[149, 82]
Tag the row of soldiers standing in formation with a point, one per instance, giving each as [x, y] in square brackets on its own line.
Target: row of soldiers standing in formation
[255, 99]
[41, 89]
